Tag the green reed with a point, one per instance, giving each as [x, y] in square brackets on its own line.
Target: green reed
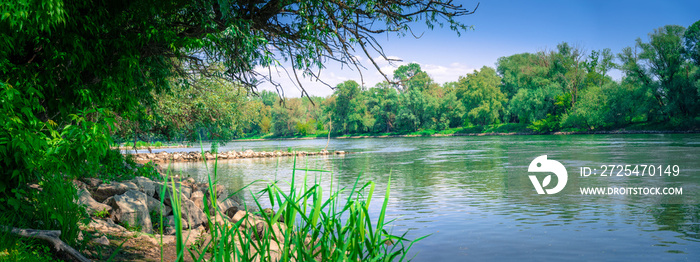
[336, 228]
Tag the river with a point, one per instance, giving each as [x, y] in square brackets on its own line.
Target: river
[473, 195]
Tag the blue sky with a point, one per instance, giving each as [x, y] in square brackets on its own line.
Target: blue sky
[503, 28]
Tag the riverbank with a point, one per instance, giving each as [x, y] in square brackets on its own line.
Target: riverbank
[481, 134]
[147, 147]
[138, 219]
[198, 156]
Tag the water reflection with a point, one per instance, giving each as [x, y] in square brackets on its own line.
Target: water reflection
[473, 195]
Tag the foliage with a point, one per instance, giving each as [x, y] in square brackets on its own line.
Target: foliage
[49, 205]
[663, 69]
[67, 70]
[336, 228]
[115, 166]
[481, 96]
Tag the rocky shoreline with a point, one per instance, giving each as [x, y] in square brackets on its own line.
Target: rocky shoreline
[197, 156]
[133, 209]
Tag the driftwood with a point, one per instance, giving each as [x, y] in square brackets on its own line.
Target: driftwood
[49, 235]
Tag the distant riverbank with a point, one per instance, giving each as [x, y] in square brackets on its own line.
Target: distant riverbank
[480, 134]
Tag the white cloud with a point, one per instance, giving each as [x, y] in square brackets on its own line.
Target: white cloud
[442, 74]
[334, 74]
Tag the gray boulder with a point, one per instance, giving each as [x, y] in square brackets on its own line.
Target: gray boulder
[154, 206]
[145, 185]
[185, 192]
[229, 206]
[92, 206]
[132, 208]
[193, 214]
[198, 198]
[115, 188]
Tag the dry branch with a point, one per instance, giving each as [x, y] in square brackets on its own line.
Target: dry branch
[51, 236]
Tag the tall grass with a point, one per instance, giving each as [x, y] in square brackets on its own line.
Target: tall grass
[336, 228]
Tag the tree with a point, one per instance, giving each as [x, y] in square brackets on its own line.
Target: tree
[95, 60]
[383, 105]
[598, 65]
[520, 71]
[662, 69]
[67, 69]
[481, 95]
[532, 105]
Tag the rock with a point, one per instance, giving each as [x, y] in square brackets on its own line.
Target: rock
[229, 204]
[339, 152]
[102, 241]
[219, 189]
[92, 206]
[188, 182]
[92, 183]
[198, 198]
[145, 185]
[170, 225]
[154, 206]
[194, 216]
[230, 212]
[269, 212]
[221, 221]
[132, 208]
[115, 188]
[105, 226]
[184, 192]
[249, 221]
[79, 184]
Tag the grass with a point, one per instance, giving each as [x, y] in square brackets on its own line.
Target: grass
[335, 228]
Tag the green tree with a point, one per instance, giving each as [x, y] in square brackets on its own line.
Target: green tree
[481, 95]
[68, 69]
[662, 69]
[383, 105]
[532, 105]
[521, 71]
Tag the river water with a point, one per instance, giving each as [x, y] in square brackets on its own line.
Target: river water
[474, 198]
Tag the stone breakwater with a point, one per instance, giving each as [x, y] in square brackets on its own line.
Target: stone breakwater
[197, 156]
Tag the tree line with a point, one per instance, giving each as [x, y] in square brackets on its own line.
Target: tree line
[560, 89]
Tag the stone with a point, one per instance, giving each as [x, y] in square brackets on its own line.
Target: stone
[198, 198]
[194, 216]
[249, 220]
[219, 189]
[170, 225]
[79, 184]
[184, 191]
[132, 208]
[105, 226]
[230, 212]
[229, 204]
[91, 182]
[104, 191]
[102, 241]
[145, 185]
[92, 206]
[154, 206]
[221, 221]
